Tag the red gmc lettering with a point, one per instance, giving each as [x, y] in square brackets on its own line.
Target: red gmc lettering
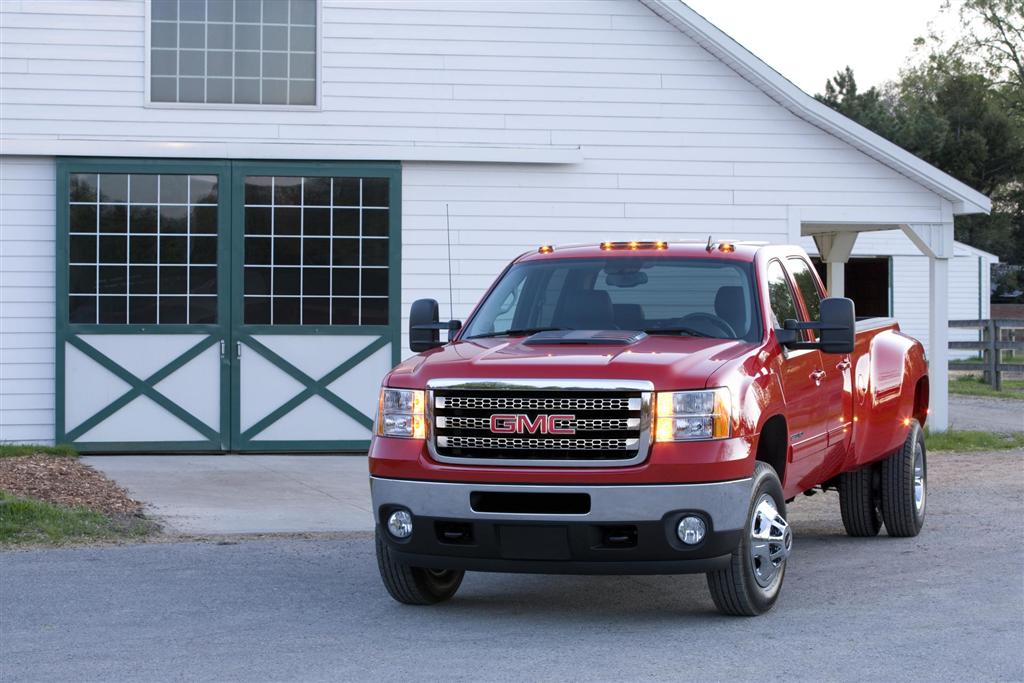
[518, 423]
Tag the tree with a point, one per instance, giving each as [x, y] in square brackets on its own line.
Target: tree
[994, 39]
[961, 108]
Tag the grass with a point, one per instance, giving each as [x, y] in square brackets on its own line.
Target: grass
[21, 450]
[1008, 358]
[971, 385]
[972, 441]
[33, 522]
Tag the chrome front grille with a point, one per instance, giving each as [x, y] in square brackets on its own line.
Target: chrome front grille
[588, 423]
[535, 403]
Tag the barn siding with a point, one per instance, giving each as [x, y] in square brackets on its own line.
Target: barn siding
[27, 285]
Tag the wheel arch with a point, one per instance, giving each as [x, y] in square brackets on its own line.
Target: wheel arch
[773, 445]
[921, 400]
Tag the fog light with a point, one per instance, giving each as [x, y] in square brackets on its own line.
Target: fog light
[691, 530]
[400, 524]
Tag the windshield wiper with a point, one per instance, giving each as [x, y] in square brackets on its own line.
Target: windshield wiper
[679, 330]
[514, 332]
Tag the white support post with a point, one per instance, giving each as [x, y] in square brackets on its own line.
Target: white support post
[835, 274]
[935, 241]
[938, 343]
[835, 249]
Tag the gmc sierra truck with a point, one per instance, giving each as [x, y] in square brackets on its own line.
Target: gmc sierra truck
[643, 408]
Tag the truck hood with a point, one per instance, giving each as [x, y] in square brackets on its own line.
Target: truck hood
[670, 362]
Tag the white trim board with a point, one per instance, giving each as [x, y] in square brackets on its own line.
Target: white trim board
[286, 150]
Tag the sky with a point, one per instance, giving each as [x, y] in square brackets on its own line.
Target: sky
[807, 41]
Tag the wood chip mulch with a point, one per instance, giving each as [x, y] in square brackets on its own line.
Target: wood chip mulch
[65, 481]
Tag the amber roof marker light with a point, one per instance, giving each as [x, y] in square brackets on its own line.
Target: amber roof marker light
[634, 245]
[545, 249]
[725, 247]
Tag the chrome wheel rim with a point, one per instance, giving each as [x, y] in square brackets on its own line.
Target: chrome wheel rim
[771, 541]
[920, 485]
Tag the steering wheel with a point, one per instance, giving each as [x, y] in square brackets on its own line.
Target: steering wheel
[716, 321]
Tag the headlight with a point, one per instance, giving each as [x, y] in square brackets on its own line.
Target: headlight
[692, 415]
[401, 413]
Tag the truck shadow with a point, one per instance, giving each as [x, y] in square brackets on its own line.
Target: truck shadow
[821, 552]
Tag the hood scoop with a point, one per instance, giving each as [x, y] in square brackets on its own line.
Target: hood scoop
[606, 337]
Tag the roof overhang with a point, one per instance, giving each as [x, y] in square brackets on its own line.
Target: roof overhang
[965, 199]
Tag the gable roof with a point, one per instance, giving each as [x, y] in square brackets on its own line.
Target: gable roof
[965, 199]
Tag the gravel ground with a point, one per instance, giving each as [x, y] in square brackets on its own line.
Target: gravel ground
[986, 414]
[947, 605]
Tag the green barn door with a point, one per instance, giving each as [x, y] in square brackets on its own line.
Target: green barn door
[142, 305]
[216, 306]
[315, 296]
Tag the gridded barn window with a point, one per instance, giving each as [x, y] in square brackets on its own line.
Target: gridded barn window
[142, 249]
[316, 251]
[233, 51]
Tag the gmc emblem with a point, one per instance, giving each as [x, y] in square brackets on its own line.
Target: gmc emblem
[517, 423]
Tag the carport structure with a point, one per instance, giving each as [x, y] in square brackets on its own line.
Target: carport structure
[935, 240]
[835, 229]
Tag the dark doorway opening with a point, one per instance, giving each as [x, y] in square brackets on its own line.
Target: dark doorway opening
[867, 283]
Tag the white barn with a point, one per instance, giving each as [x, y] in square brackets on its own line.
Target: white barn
[215, 214]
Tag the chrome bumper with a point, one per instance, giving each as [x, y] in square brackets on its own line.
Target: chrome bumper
[725, 503]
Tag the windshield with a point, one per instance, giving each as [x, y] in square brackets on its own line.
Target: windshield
[678, 296]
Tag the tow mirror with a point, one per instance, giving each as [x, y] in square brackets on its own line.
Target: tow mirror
[425, 328]
[837, 328]
[838, 325]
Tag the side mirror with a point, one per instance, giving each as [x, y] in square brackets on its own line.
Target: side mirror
[837, 328]
[838, 325]
[425, 328]
[424, 331]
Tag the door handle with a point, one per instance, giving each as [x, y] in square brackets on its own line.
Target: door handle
[843, 365]
[238, 350]
[817, 376]
[222, 348]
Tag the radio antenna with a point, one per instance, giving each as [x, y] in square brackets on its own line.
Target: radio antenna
[709, 243]
[448, 233]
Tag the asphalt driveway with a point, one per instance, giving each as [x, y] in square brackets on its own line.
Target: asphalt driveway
[948, 605]
[986, 414]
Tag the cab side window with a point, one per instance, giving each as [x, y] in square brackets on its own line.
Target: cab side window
[807, 285]
[780, 296]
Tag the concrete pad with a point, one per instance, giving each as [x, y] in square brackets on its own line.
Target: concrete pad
[242, 494]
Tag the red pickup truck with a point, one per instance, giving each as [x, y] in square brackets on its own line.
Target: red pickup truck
[643, 407]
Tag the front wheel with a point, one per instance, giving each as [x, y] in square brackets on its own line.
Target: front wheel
[751, 582]
[414, 585]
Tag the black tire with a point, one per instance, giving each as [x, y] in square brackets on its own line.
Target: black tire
[414, 585]
[858, 502]
[737, 590]
[902, 513]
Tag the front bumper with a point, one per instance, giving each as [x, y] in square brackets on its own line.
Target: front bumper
[609, 529]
